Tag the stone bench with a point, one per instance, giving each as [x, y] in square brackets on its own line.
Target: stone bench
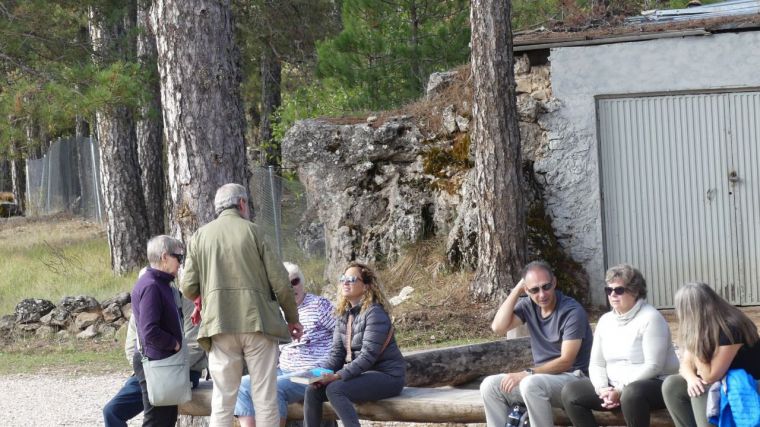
[419, 404]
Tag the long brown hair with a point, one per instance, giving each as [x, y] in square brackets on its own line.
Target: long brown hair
[703, 315]
[374, 293]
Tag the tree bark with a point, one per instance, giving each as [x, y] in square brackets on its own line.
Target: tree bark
[501, 230]
[198, 64]
[18, 180]
[414, 41]
[149, 128]
[126, 222]
[462, 364]
[271, 99]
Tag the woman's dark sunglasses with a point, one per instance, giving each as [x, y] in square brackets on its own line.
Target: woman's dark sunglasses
[295, 281]
[545, 287]
[619, 290]
[180, 257]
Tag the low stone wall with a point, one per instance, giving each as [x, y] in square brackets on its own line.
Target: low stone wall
[80, 316]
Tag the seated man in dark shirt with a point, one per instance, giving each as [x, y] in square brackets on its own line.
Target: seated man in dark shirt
[560, 339]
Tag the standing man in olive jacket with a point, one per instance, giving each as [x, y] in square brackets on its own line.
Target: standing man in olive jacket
[243, 285]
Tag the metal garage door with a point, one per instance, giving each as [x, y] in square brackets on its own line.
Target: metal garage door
[680, 191]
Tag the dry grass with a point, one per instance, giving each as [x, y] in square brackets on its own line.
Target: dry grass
[440, 310]
[426, 111]
[54, 257]
[21, 232]
[6, 197]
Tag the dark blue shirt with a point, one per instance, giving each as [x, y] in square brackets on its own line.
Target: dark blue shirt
[156, 314]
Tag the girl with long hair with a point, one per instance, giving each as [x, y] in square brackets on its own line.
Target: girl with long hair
[367, 362]
[714, 337]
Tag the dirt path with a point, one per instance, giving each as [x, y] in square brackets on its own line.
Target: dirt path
[57, 399]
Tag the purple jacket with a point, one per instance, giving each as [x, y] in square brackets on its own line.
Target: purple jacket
[156, 314]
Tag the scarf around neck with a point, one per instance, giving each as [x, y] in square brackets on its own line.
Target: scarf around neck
[623, 319]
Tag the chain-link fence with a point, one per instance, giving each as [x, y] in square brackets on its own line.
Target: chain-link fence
[281, 212]
[66, 179]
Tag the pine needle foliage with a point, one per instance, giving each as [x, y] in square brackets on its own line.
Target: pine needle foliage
[49, 73]
[388, 48]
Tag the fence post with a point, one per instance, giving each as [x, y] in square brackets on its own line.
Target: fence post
[48, 156]
[275, 211]
[95, 174]
[28, 192]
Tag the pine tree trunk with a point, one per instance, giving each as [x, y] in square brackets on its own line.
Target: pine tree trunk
[126, 222]
[18, 175]
[501, 216]
[271, 74]
[198, 63]
[82, 128]
[149, 128]
[414, 22]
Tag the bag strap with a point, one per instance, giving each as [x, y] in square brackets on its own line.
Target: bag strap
[387, 340]
[349, 331]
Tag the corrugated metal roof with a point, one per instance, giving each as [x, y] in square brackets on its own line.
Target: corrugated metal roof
[734, 15]
[726, 8]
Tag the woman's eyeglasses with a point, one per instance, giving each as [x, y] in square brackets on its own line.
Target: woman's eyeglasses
[545, 287]
[619, 290]
[179, 257]
[295, 281]
[348, 279]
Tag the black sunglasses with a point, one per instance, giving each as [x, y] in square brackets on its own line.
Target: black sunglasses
[619, 290]
[179, 257]
[295, 281]
[545, 287]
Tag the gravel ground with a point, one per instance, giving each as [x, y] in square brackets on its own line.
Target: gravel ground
[57, 399]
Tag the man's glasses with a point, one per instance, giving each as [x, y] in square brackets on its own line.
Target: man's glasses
[348, 279]
[179, 257]
[295, 281]
[545, 287]
[619, 290]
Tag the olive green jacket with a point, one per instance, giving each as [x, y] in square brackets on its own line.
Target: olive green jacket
[240, 278]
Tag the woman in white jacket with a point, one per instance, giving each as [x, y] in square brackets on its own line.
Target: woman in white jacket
[631, 356]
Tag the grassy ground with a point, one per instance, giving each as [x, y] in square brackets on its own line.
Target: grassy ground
[55, 257]
[68, 355]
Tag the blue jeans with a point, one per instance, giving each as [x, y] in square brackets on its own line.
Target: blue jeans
[287, 392]
[126, 405]
[128, 402]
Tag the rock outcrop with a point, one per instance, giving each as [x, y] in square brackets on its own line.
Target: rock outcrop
[379, 184]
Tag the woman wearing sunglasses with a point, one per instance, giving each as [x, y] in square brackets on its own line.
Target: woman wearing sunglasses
[158, 319]
[716, 340]
[368, 364]
[631, 356]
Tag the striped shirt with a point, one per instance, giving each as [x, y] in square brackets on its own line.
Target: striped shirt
[316, 315]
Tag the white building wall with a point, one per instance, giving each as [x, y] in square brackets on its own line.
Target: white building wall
[578, 74]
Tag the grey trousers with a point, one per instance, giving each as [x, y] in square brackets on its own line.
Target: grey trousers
[686, 411]
[538, 392]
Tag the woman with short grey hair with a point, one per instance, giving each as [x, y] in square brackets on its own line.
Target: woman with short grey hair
[160, 246]
[631, 356]
[158, 319]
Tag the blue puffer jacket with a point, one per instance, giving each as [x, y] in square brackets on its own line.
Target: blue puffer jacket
[369, 331]
[739, 401]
